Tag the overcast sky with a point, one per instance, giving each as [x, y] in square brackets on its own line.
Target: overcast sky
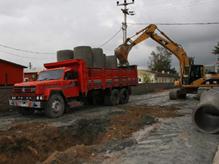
[51, 25]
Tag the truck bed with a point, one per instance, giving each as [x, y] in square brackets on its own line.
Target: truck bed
[102, 78]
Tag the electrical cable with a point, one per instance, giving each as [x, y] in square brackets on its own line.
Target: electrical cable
[21, 56]
[110, 39]
[178, 24]
[27, 51]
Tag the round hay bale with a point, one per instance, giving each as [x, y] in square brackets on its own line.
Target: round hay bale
[85, 53]
[111, 62]
[65, 55]
[98, 58]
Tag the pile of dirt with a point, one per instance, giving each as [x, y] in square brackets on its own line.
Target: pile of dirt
[36, 141]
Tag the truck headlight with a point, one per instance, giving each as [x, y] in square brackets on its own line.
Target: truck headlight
[39, 98]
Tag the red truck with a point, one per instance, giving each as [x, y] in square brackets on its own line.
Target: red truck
[68, 83]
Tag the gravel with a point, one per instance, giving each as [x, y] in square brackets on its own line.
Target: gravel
[172, 140]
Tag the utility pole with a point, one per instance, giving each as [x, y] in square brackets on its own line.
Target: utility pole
[126, 12]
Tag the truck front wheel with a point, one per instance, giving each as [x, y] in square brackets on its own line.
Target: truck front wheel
[55, 107]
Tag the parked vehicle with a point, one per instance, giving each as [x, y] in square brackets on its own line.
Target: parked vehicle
[70, 82]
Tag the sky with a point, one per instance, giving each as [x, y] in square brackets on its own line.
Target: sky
[52, 25]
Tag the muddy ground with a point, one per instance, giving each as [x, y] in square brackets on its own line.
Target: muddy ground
[150, 129]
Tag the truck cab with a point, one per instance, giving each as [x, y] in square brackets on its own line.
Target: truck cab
[56, 84]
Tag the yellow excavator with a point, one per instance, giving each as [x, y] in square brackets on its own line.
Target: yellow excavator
[192, 76]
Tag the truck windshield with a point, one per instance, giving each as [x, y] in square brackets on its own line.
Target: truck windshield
[50, 75]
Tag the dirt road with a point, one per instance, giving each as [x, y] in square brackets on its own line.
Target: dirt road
[150, 129]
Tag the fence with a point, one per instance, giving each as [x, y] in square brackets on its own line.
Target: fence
[5, 93]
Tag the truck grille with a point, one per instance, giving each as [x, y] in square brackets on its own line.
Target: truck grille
[24, 89]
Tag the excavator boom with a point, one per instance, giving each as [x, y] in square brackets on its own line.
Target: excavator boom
[123, 50]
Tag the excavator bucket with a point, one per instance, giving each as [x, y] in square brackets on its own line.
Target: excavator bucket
[122, 52]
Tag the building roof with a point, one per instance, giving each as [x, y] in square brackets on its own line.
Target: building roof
[33, 70]
[12, 63]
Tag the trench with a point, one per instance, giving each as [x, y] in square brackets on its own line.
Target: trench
[80, 142]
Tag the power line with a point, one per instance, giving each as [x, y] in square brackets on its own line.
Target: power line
[27, 51]
[21, 56]
[110, 39]
[178, 24]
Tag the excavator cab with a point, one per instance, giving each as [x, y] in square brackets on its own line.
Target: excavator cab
[192, 73]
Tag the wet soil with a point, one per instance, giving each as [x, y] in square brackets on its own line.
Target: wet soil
[82, 141]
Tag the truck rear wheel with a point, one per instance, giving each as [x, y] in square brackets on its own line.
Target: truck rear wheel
[123, 96]
[55, 107]
[112, 98]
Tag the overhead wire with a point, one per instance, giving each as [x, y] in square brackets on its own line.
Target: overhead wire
[21, 56]
[111, 38]
[22, 50]
[177, 24]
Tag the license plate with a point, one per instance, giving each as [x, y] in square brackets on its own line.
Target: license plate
[23, 103]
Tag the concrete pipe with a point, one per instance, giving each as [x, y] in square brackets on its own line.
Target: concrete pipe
[98, 58]
[206, 115]
[85, 53]
[65, 55]
[111, 62]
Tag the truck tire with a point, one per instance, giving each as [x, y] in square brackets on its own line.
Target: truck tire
[97, 98]
[85, 53]
[25, 111]
[112, 99]
[65, 55]
[123, 96]
[55, 107]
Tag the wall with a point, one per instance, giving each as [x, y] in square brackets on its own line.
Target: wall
[5, 93]
[151, 87]
[10, 74]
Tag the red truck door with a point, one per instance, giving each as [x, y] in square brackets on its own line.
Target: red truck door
[71, 84]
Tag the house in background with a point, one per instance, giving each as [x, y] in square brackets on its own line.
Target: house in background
[211, 68]
[10, 73]
[146, 76]
[31, 74]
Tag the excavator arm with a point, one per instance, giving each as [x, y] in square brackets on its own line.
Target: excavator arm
[123, 50]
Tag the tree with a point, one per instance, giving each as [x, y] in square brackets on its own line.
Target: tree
[146, 78]
[160, 60]
[216, 49]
